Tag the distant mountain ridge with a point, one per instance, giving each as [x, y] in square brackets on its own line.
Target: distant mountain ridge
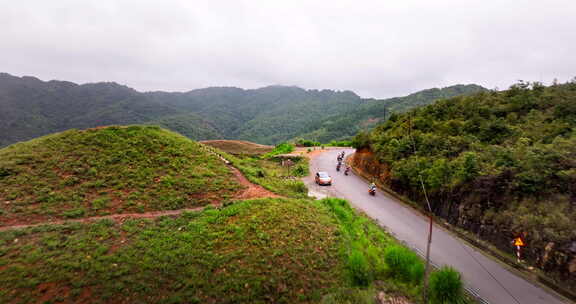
[374, 111]
[30, 107]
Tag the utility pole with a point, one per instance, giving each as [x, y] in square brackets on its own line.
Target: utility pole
[429, 243]
[427, 269]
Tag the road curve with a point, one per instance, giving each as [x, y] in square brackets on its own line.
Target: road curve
[409, 226]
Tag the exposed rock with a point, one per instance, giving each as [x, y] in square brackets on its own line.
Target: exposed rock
[572, 247]
[572, 266]
[383, 298]
[546, 255]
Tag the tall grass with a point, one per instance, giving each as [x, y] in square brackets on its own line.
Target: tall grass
[446, 286]
[360, 271]
[404, 264]
[362, 245]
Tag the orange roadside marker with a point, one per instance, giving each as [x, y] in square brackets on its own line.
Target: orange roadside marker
[518, 242]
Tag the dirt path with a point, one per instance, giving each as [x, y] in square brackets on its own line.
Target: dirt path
[251, 191]
[116, 217]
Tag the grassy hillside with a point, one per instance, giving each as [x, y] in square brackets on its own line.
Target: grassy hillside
[275, 250]
[260, 251]
[253, 252]
[108, 170]
[500, 164]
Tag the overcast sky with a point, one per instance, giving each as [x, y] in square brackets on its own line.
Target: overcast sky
[376, 48]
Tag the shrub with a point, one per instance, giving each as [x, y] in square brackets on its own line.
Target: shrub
[341, 143]
[300, 170]
[307, 143]
[404, 264]
[100, 203]
[417, 272]
[359, 268]
[361, 140]
[4, 172]
[446, 286]
[299, 187]
[75, 213]
[282, 148]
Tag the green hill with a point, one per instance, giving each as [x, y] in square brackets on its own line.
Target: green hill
[269, 115]
[108, 170]
[258, 251]
[275, 250]
[367, 115]
[499, 164]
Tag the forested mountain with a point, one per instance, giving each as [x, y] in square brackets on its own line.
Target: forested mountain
[500, 164]
[30, 107]
[374, 111]
[266, 115]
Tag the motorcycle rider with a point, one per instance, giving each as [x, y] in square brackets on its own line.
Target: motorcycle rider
[372, 187]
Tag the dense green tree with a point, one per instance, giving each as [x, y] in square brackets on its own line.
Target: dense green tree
[269, 115]
[494, 158]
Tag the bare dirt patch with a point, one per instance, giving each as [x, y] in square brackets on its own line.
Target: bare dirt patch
[49, 291]
[115, 217]
[252, 190]
[303, 151]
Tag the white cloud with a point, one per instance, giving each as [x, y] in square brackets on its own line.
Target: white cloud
[376, 48]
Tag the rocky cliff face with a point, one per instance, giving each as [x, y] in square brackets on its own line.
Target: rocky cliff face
[467, 207]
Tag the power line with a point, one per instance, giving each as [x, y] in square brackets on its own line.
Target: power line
[429, 242]
[430, 233]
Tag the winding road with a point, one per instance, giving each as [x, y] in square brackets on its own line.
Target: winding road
[492, 281]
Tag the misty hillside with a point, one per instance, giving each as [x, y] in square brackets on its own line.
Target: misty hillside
[32, 108]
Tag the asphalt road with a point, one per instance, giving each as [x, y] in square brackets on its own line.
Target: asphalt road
[409, 226]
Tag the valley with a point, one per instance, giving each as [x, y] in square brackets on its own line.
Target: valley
[472, 153]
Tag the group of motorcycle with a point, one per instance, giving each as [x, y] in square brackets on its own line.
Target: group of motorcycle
[371, 188]
[340, 159]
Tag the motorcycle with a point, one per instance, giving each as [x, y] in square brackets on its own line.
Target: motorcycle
[338, 167]
[372, 191]
[347, 171]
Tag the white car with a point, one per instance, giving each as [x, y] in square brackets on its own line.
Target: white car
[322, 178]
